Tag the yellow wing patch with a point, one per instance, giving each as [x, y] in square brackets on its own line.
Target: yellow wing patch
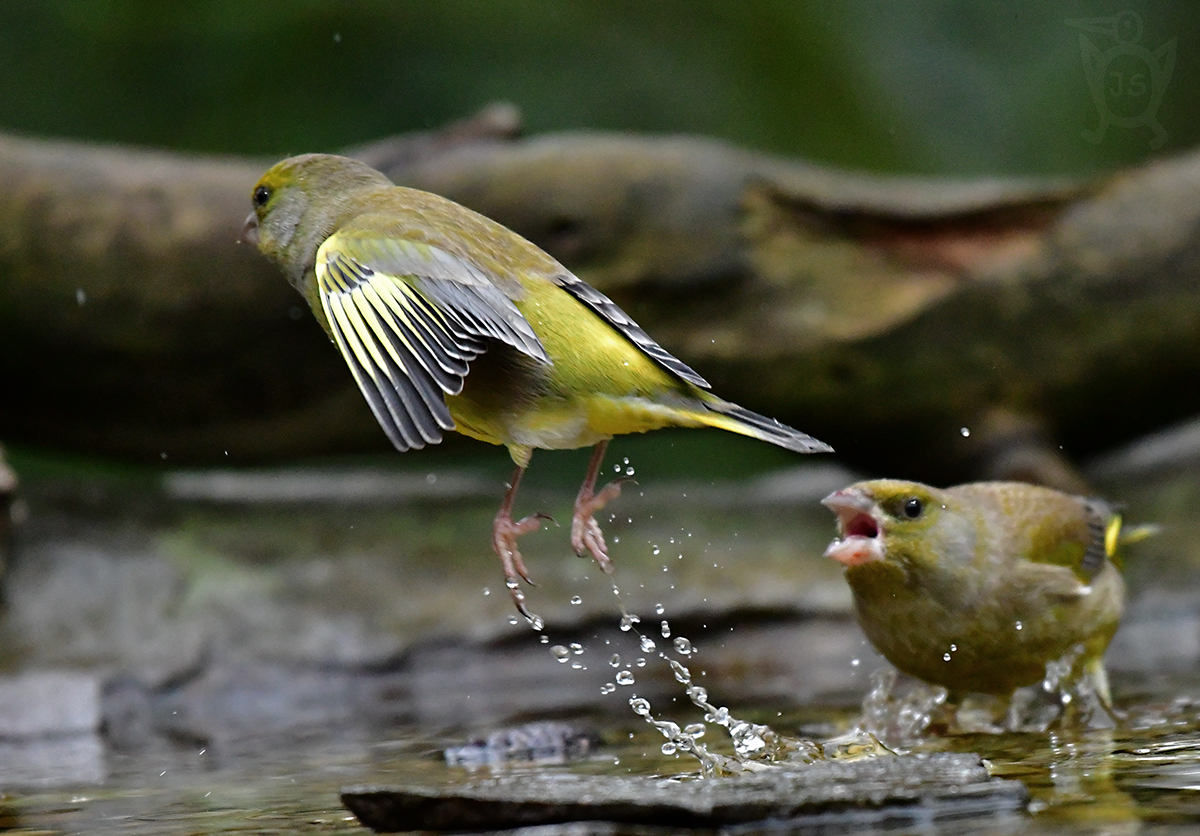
[408, 319]
[397, 347]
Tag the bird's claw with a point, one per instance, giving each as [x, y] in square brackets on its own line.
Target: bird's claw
[586, 536]
[504, 540]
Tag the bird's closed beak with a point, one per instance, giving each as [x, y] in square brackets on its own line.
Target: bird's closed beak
[250, 229]
[859, 541]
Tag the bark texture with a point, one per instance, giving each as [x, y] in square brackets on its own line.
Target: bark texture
[882, 314]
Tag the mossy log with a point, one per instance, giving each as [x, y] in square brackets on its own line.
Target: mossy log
[883, 314]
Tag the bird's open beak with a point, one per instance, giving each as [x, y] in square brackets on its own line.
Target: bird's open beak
[859, 541]
[250, 229]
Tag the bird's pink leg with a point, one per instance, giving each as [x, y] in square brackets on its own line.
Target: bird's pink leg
[505, 532]
[586, 535]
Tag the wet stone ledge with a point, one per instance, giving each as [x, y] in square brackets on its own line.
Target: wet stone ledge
[895, 791]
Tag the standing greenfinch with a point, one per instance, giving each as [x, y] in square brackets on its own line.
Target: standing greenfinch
[977, 587]
[450, 321]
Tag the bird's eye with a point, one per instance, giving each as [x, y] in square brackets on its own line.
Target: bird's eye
[261, 195]
[913, 507]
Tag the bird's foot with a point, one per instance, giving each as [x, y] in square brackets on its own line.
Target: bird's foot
[586, 536]
[505, 531]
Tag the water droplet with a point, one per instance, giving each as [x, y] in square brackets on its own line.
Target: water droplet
[854, 663]
[512, 619]
[629, 471]
[624, 678]
[576, 648]
[607, 688]
[1019, 625]
[945, 657]
[544, 639]
[659, 609]
[615, 660]
[641, 662]
[577, 666]
[682, 674]
[965, 432]
[576, 600]
[953, 648]
[560, 653]
[666, 630]
[537, 622]
[486, 591]
[683, 646]
[640, 706]
[655, 550]
[80, 296]
[669, 748]
[647, 644]
[627, 621]
[695, 731]
[512, 583]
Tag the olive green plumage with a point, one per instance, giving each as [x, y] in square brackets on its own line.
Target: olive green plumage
[415, 288]
[449, 321]
[977, 587]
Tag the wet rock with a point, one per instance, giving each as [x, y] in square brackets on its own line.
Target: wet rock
[212, 616]
[322, 485]
[480, 684]
[545, 742]
[49, 703]
[910, 788]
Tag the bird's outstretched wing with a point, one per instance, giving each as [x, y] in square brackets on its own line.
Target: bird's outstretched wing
[608, 310]
[409, 317]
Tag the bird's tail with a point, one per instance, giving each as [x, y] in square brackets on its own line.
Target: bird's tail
[735, 419]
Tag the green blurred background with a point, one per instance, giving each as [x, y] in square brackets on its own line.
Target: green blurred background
[929, 86]
[925, 86]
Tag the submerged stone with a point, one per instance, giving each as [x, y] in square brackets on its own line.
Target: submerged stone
[542, 742]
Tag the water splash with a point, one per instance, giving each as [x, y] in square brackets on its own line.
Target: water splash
[899, 714]
[1070, 694]
[684, 741]
[900, 710]
[755, 746]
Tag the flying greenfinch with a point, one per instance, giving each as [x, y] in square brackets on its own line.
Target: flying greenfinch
[450, 321]
[977, 587]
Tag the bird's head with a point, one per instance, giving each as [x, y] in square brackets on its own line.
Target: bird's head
[888, 521]
[300, 201]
